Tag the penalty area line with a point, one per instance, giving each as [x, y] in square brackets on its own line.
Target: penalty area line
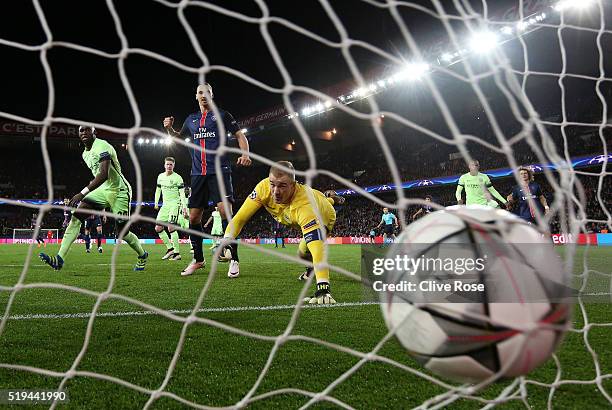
[87, 315]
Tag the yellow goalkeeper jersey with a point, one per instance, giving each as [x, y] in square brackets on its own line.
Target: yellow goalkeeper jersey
[299, 212]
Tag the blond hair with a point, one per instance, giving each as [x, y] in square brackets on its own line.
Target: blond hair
[278, 172]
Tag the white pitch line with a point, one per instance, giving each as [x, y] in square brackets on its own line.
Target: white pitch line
[87, 315]
[170, 263]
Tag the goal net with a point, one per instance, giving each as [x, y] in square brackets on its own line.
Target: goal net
[29, 235]
[509, 83]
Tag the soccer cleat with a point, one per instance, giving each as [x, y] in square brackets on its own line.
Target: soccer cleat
[234, 270]
[191, 251]
[100, 250]
[322, 296]
[56, 262]
[306, 274]
[175, 257]
[168, 254]
[192, 267]
[142, 261]
[88, 250]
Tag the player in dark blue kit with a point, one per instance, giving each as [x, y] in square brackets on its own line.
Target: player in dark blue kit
[425, 209]
[39, 238]
[93, 224]
[279, 233]
[203, 130]
[528, 189]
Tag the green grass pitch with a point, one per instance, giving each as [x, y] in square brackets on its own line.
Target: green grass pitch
[218, 368]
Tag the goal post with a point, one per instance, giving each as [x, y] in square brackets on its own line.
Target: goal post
[21, 235]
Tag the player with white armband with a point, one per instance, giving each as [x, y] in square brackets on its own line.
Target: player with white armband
[108, 189]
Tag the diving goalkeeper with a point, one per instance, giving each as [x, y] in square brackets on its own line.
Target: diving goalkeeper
[288, 202]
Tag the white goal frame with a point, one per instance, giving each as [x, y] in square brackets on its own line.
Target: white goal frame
[30, 237]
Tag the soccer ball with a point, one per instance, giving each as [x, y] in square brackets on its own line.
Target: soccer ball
[469, 336]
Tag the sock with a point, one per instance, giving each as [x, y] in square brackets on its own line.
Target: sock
[175, 241]
[134, 243]
[99, 239]
[234, 248]
[163, 235]
[72, 231]
[317, 250]
[87, 241]
[196, 242]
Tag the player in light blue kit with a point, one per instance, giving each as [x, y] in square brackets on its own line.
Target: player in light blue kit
[390, 223]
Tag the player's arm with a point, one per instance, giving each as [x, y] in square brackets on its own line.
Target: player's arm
[181, 189]
[494, 192]
[497, 195]
[168, 126]
[245, 213]
[543, 200]
[208, 222]
[334, 198]
[243, 143]
[417, 213]
[97, 181]
[460, 186]
[232, 126]
[157, 195]
[544, 203]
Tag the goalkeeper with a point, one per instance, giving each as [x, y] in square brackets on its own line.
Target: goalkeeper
[289, 202]
[108, 189]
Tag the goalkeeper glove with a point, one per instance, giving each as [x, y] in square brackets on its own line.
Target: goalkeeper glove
[322, 296]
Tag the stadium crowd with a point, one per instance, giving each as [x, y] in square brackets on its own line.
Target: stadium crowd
[357, 217]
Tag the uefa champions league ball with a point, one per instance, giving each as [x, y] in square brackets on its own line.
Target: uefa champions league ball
[507, 330]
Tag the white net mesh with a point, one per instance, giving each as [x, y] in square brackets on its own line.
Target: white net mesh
[510, 81]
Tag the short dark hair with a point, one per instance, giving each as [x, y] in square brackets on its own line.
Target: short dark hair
[171, 159]
[91, 127]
